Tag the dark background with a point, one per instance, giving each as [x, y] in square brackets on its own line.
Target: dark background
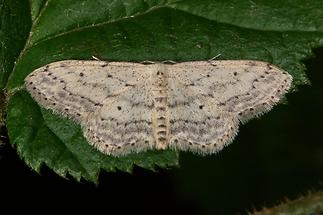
[275, 157]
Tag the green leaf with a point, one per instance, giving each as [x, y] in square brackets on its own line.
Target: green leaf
[14, 29]
[310, 204]
[138, 30]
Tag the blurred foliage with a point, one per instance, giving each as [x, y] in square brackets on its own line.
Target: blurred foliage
[310, 204]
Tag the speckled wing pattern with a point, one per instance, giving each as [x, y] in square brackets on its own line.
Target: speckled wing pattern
[130, 107]
[219, 94]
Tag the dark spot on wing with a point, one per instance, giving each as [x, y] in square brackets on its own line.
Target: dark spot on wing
[251, 63]
[269, 66]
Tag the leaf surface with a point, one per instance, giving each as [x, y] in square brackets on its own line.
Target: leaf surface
[282, 33]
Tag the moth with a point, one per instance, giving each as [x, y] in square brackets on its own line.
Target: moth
[125, 107]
